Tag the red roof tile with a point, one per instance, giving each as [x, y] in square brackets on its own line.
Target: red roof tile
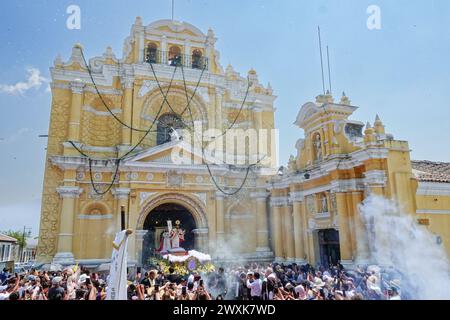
[429, 171]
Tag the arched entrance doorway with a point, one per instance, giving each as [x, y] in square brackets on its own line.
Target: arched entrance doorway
[156, 223]
[329, 247]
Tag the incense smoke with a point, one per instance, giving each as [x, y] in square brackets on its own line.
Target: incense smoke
[396, 240]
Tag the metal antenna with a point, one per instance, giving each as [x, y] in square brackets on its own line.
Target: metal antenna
[329, 70]
[321, 60]
[173, 5]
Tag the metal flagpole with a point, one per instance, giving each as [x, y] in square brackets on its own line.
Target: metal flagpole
[329, 70]
[173, 5]
[321, 60]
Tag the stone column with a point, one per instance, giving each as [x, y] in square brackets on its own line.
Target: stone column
[299, 227]
[220, 221]
[345, 239]
[310, 240]
[75, 110]
[187, 53]
[164, 50]
[140, 234]
[288, 230]
[277, 204]
[121, 195]
[68, 195]
[262, 228]
[127, 85]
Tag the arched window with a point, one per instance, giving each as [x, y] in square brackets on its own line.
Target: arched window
[165, 124]
[152, 53]
[197, 59]
[174, 56]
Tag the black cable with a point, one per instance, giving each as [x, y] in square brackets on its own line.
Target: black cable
[126, 154]
[203, 148]
[165, 96]
[165, 100]
[101, 97]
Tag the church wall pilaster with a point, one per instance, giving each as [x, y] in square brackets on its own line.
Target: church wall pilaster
[299, 227]
[262, 227]
[289, 233]
[75, 111]
[220, 223]
[68, 194]
[345, 237]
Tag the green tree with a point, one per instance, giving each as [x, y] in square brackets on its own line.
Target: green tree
[21, 240]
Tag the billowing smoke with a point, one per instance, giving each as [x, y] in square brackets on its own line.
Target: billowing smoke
[397, 241]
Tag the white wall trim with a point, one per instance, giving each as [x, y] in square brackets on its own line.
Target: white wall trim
[433, 211]
[433, 189]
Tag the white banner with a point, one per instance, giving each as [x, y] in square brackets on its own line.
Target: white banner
[117, 283]
[169, 225]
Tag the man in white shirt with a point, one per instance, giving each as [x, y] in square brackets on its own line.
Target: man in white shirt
[254, 283]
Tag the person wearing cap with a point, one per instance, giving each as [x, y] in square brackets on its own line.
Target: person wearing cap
[56, 292]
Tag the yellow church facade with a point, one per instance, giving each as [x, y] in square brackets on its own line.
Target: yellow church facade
[169, 76]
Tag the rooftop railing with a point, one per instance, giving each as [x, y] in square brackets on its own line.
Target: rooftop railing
[171, 59]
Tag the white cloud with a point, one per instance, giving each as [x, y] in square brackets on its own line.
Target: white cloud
[34, 81]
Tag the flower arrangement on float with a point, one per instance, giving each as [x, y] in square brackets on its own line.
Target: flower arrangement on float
[194, 261]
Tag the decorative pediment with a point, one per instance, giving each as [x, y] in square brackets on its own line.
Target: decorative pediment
[176, 27]
[174, 152]
[306, 112]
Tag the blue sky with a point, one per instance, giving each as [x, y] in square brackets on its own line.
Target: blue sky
[400, 72]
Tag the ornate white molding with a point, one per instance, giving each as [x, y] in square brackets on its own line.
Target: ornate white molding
[77, 87]
[147, 86]
[69, 192]
[347, 185]
[127, 82]
[145, 195]
[259, 195]
[201, 196]
[433, 189]
[377, 177]
[121, 193]
[297, 196]
[279, 201]
[101, 113]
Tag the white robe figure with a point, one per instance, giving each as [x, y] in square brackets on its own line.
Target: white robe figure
[166, 242]
[117, 282]
[177, 235]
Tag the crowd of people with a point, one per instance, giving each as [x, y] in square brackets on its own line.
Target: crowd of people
[232, 282]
